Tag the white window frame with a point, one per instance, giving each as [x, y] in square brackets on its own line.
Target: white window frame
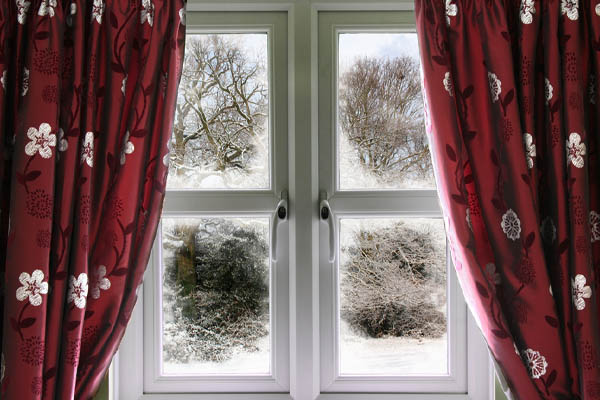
[146, 323]
[304, 227]
[462, 348]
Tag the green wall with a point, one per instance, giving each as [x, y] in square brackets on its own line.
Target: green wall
[103, 391]
[499, 393]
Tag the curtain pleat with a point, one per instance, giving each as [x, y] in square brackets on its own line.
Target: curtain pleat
[86, 108]
[512, 120]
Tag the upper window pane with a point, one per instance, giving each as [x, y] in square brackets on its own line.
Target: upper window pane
[221, 136]
[381, 141]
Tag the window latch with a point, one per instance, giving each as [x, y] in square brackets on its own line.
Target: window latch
[327, 216]
[279, 216]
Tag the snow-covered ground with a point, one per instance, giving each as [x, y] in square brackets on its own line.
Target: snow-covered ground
[208, 177]
[358, 356]
[391, 355]
[242, 362]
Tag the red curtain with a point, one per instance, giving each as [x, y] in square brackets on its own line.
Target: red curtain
[87, 95]
[512, 88]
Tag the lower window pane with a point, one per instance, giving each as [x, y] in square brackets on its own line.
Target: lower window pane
[392, 296]
[215, 296]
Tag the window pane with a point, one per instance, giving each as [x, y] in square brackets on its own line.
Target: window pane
[381, 141]
[392, 296]
[221, 132]
[215, 295]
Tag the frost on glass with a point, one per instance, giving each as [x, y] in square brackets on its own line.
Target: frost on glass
[215, 296]
[392, 297]
[381, 140]
[220, 136]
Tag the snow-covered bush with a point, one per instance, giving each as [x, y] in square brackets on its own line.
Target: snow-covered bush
[217, 303]
[393, 282]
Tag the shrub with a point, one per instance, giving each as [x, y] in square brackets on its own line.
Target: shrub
[223, 305]
[393, 282]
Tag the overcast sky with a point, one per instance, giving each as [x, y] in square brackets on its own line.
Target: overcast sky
[351, 45]
[388, 45]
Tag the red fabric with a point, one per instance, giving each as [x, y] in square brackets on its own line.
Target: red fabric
[87, 95]
[523, 222]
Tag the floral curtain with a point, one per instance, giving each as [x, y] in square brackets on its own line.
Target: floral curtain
[87, 95]
[513, 118]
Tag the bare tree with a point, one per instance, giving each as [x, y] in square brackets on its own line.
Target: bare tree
[381, 114]
[222, 105]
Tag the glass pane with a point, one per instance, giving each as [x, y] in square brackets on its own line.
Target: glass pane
[215, 295]
[381, 140]
[221, 133]
[392, 297]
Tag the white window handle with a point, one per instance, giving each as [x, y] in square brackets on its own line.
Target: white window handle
[279, 216]
[327, 215]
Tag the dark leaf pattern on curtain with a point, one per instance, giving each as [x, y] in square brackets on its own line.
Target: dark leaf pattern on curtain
[512, 108]
[87, 95]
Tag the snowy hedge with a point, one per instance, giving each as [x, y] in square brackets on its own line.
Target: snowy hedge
[218, 279]
[393, 282]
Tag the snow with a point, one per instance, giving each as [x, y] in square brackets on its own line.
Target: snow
[213, 181]
[358, 356]
[206, 176]
[242, 362]
[361, 355]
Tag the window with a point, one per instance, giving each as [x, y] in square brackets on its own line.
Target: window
[210, 324]
[392, 316]
[347, 292]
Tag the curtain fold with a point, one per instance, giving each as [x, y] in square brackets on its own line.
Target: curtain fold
[87, 96]
[512, 116]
